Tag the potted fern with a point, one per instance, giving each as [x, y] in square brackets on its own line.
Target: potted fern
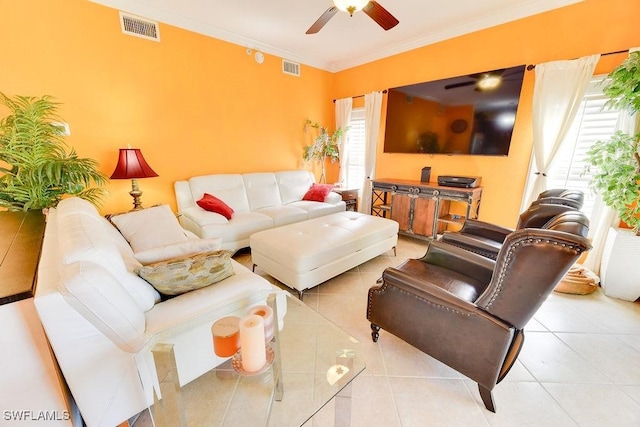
[325, 146]
[36, 167]
[615, 168]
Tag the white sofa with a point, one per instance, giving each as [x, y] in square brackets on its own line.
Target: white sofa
[260, 201]
[101, 318]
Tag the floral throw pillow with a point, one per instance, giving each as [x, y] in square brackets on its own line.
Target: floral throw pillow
[179, 275]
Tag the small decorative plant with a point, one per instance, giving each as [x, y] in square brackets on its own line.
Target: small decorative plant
[325, 146]
[616, 161]
[36, 167]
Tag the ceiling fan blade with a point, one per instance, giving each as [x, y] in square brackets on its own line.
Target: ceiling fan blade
[455, 85]
[380, 15]
[324, 18]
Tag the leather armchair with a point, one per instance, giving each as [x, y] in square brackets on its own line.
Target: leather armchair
[486, 239]
[469, 311]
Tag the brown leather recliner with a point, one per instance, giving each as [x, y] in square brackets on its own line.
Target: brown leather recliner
[486, 239]
[469, 311]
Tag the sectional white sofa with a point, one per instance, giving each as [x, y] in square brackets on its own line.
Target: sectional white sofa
[260, 201]
[101, 318]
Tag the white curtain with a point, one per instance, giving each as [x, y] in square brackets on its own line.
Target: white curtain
[558, 92]
[372, 112]
[343, 118]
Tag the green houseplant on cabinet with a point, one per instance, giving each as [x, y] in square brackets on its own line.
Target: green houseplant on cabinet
[615, 164]
[36, 167]
[325, 146]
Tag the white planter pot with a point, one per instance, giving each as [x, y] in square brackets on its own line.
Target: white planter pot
[619, 272]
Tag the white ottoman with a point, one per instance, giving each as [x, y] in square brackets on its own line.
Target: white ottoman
[305, 254]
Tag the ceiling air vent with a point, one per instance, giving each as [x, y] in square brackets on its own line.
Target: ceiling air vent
[139, 27]
[291, 68]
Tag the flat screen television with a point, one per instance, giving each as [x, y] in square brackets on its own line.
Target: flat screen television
[471, 114]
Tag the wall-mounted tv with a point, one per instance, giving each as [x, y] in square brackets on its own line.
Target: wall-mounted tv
[471, 114]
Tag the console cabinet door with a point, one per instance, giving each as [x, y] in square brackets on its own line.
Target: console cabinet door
[423, 216]
[401, 210]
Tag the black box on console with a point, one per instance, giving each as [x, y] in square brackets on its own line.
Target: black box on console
[426, 174]
[459, 181]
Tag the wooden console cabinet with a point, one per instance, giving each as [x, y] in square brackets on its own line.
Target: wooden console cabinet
[423, 209]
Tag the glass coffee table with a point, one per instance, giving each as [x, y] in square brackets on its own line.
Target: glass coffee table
[314, 362]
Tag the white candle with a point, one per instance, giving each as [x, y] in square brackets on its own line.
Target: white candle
[266, 313]
[252, 348]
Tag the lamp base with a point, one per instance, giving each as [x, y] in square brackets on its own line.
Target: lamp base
[136, 194]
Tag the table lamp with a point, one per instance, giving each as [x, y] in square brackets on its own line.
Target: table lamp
[132, 165]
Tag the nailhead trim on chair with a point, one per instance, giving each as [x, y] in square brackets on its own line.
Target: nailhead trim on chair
[522, 242]
[384, 286]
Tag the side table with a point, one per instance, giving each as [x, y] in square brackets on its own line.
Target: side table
[350, 197]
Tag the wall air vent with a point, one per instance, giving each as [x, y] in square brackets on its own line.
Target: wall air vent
[139, 27]
[291, 68]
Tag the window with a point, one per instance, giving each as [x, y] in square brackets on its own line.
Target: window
[355, 150]
[592, 123]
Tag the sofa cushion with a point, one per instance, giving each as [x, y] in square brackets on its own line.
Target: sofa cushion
[211, 203]
[85, 239]
[262, 190]
[93, 291]
[240, 227]
[150, 228]
[318, 192]
[227, 187]
[293, 184]
[177, 250]
[317, 209]
[76, 205]
[180, 275]
[283, 215]
[72, 205]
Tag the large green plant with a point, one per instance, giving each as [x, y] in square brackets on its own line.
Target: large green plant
[36, 167]
[615, 168]
[325, 146]
[615, 163]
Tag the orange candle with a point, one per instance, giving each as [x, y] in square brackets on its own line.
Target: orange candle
[226, 336]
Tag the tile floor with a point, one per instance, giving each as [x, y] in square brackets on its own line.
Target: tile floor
[580, 365]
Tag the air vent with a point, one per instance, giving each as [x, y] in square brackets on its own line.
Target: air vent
[139, 27]
[291, 68]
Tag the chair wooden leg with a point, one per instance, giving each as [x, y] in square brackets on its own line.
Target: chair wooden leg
[375, 329]
[487, 398]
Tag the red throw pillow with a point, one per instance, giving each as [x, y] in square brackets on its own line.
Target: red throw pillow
[318, 192]
[213, 204]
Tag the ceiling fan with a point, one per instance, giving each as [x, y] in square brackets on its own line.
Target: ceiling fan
[486, 81]
[376, 12]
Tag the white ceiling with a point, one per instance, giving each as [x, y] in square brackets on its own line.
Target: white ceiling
[278, 27]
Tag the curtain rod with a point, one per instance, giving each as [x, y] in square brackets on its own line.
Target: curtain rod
[359, 96]
[531, 67]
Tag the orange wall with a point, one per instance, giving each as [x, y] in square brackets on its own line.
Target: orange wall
[193, 104]
[198, 105]
[593, 26]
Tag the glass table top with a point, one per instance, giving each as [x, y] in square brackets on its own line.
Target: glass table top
[314, 359]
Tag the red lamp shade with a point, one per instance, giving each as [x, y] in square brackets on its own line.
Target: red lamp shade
[131, 164]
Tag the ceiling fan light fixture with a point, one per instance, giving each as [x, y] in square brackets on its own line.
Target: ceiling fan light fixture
[350, 6]
[489, 82]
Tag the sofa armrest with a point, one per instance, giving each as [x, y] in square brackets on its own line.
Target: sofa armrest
[333, 198]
